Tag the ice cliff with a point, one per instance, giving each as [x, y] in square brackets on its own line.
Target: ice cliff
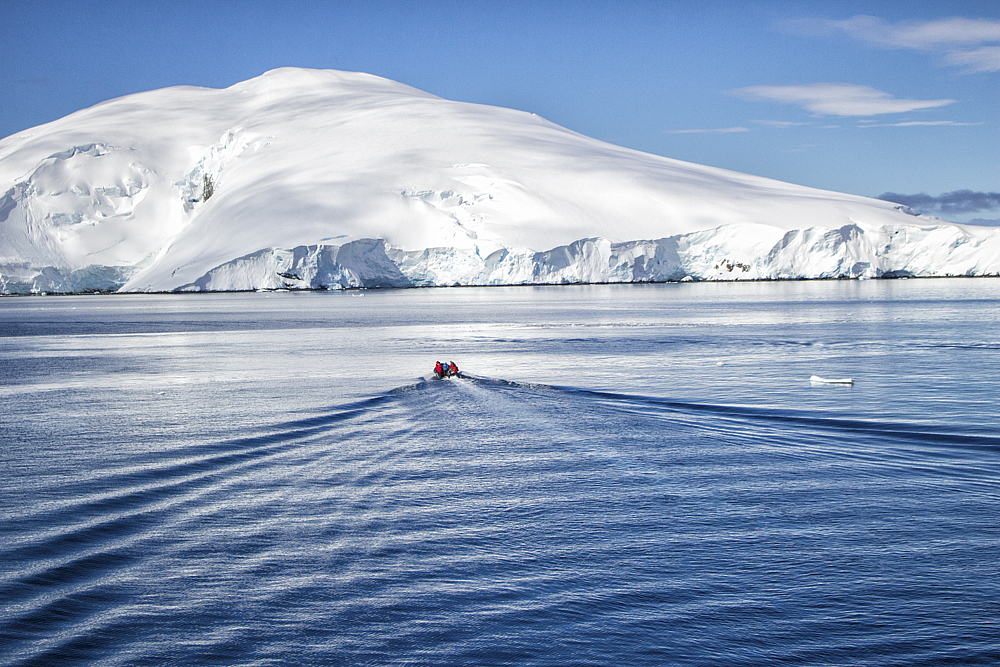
[305, 179]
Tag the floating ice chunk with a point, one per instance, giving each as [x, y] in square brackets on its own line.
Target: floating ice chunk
[815, 379]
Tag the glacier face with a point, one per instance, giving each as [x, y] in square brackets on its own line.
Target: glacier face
[305, 179]
[719, 254]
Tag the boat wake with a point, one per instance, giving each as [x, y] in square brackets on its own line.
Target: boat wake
[441, 513]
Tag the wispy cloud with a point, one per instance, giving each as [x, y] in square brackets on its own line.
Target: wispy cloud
[838, 99]
[983, 59]
[948, 203]
[973, 44]
[921, 123]
[778, 123]
[721, 130]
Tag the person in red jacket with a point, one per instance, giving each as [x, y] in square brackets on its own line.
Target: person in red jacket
[439, 369]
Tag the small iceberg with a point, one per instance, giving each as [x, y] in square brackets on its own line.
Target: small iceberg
[815, 379]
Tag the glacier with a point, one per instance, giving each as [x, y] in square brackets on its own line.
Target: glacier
[320, 179]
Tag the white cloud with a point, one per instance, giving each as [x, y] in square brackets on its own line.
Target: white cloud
[722, 130]
[917, 123]
[778, 123]
[922, 35]
[983, 59]
[970, 43]
[838, 99]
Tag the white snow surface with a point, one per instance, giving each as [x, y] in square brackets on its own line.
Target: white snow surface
[328, 180]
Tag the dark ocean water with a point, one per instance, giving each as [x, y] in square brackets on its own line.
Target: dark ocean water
[628, 475]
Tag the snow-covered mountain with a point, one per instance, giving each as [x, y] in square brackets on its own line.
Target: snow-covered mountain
[325, 179]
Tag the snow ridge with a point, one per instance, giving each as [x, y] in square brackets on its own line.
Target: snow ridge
[307, 179]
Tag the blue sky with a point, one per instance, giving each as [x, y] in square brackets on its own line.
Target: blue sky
[861, 97]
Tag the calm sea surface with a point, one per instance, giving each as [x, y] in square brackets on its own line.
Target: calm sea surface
[629, 475]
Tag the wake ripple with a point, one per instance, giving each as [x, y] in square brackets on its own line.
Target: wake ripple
[483, 521]
[833, 424]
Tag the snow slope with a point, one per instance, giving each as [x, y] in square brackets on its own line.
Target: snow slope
[326, 179]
